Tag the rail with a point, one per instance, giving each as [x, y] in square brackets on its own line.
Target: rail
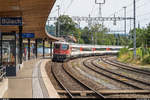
[95, 91]
[53, 72]
[2, 72]
[106, 75]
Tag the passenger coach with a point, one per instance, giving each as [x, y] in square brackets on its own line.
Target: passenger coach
[64, 51]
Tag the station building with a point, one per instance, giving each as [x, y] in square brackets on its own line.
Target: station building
[22, 26]
[22, 20]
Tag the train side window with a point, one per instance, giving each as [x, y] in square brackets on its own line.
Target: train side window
[57, 46]
[65, 47]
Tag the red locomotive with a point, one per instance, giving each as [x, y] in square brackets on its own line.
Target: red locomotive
[61, 51]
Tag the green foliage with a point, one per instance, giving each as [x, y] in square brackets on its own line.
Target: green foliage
[146, 60]
[99, 31]
[86, 35]
[123, 51]
[81, 41]
[146, 56]
[142, 37]
[142, 55]
[67, 25]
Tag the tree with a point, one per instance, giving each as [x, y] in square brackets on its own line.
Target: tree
[141, 37]
[147, 35]
[67, 25]
[86, 35]
[99, 32]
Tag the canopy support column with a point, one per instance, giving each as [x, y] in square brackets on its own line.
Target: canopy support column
[50, 49]
[43, 48]
[36, 43]
[28, 49]
[20, 44]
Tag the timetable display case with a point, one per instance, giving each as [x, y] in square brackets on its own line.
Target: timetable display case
[8, 52]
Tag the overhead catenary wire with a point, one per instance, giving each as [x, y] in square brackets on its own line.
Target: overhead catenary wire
[148, 13]
[71, 2]
[140, 3]
[129, 5]
[139, 6]
[92, 9]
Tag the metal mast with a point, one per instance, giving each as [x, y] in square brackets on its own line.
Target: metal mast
[125, 21]
[134, 40]
[100, 15]
[58, 32]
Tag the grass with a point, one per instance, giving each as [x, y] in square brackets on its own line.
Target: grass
[142, 56]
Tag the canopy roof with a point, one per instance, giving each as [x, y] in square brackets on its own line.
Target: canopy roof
[33, 12]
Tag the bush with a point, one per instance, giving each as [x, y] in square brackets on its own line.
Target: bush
[142, 55]
[146, 60]
[123, 51]
[139, 53]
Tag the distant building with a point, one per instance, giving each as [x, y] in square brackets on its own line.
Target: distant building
[70, 38]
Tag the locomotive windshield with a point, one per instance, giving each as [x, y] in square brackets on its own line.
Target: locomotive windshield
[56, 46]
[65, 46]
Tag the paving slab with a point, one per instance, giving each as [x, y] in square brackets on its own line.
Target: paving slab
[49, 86]
[31, 81]
[3, 86]
[21, 85]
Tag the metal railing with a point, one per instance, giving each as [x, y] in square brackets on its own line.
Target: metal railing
[2, 72]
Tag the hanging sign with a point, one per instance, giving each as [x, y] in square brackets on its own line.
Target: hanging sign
[11, 21]
[28, 35]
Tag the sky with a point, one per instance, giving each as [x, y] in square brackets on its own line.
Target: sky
[111, 7]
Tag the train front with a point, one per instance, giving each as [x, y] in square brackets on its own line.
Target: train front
[61, 52]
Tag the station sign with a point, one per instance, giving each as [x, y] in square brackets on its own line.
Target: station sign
[11, 21]
[28, 35]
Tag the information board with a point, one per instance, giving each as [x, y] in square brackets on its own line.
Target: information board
[28, 35]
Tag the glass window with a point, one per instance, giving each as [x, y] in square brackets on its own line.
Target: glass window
[56, 46]
[65, 46]
[8, 49]
[8, 52]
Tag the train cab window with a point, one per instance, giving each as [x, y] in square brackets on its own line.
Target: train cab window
[57, 46]
[65, 47]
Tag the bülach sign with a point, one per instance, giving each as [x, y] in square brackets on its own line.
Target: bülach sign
[11, 21]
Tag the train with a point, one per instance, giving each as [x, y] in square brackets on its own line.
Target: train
[64, 51]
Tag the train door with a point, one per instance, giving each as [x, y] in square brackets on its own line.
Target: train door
[8, 52]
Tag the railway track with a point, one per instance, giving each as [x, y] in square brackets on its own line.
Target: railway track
[124, 66]
[115, 76]
[56, 72]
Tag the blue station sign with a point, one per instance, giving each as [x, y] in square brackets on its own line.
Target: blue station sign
[28, 35]
[11, 21]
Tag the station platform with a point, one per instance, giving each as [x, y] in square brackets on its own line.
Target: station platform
[3, 87]
[31, 82]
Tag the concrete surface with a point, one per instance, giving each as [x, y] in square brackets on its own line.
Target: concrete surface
[21, 85]
[31, 81]
[50, 88]
[3, 87]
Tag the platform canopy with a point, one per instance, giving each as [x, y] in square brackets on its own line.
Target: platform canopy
[33, 12]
